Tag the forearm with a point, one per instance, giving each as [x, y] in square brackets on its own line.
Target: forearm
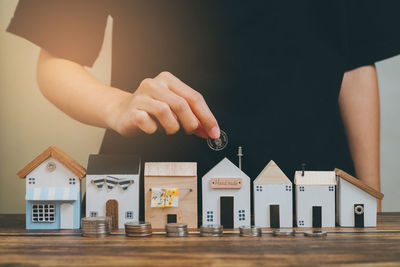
[75, 91]
[164, 99]
[359, 105]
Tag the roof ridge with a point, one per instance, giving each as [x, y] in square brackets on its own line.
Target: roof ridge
[271, 166]
[358, 183]
[58, 154]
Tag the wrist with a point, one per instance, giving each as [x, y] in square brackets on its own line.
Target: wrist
[113, 108]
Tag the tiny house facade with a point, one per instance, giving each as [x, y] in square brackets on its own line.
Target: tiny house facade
[226, 196]
[315, 198]
[356, 202]
[272, 198]
[170, 193]
[112, 188]
[53, 191]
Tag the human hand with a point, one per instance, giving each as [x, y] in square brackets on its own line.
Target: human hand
[170, 102]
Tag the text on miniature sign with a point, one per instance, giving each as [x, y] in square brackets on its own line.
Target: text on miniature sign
[227, 183]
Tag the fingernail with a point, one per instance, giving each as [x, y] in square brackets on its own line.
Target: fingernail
[214, 132]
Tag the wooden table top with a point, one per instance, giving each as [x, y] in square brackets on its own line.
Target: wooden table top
[343, 246]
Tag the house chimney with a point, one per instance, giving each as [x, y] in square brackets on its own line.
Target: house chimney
[303, 168]
[240, 155]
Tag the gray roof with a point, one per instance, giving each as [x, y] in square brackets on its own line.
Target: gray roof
[113, 164]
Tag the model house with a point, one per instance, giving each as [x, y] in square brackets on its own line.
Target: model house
[356, 202]
[315, 198]
[170, 193]
[272, 198]
[53, 191]
[112, 188]
[226, 196]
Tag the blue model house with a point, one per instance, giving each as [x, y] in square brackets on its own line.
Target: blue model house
[53, 191]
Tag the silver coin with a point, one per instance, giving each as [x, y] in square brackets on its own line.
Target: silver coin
[179, 234]
[315, 233]
[250, 231]
[96, 219]
[283, 232]
[212, 229]
[219, 143]
[205, 234]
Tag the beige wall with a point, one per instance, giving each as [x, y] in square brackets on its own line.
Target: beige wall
[29, 123]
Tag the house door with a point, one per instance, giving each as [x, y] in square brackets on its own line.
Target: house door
[226, 211]
[316, 216]
[112, 211]
[359, 215]
[274, 216]
[66, 216]
[171, 218]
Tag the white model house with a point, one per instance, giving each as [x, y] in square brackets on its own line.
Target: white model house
[315, 198]
[112, 188]
[272, 198]
[226, 196]
[356, 202]
[53, 191]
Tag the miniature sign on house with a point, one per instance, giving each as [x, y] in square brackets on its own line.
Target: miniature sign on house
[315, 198]
[170, 193]
[272, 198]
[356, 202]
[226, 196]
[53, 194]
[112, 188]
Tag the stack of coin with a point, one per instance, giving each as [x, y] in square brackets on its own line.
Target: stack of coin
[211, 230]
[284, 232]
[315, 233]
[96, 226]
[250, 231]
[176, 229]
[138, 229]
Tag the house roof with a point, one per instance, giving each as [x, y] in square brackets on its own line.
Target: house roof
[224, 169]
[176, 169]
[315, 178]
[353, 180]
[113, 164]
[272, 174]
[58, 154]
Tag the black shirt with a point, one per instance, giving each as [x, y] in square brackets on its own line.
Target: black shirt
[270, 71]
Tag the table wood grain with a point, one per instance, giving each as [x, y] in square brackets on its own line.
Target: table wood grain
[343, 246]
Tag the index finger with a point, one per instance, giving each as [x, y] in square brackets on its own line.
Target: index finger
[195, 101]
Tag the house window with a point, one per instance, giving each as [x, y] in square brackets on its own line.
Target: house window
[288, 188]
[93, 214]
[210, 216]
[331, 188]
[129, 215]
[259, 188]
[51, 166]
[43, 213]
[301, 188]
[301, 223]
[242, 215]
[31, 180]
[72, 180]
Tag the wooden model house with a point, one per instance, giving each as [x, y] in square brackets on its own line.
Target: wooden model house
[226, 196]
[356, 202]
[53, 191]
[272, 198]
[170, 193]
[112, 188]
[315, 198]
